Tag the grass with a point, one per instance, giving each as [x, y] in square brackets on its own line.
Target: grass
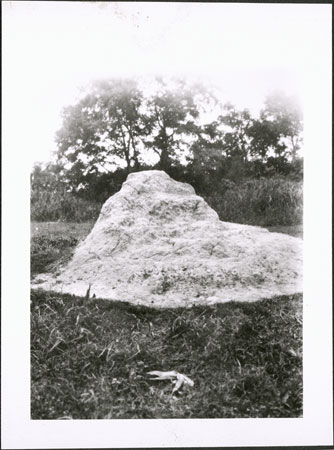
[59, 229]
[53, 243]
[53, 205]
[265, 202]
[90, 358]
[292, 230]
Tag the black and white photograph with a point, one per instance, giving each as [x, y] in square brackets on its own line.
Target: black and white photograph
[167, 230]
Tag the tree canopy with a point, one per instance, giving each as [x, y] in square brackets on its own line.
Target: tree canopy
[120, 125]
[172, 118]
[104, 128]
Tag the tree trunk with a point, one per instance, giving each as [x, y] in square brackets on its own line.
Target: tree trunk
[128, 163]
[164, 162]
[294, 149]
[137, 163]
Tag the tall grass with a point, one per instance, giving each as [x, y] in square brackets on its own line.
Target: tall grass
[264, 202]
[54, 206]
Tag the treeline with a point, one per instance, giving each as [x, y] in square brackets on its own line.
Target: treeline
[248, 168]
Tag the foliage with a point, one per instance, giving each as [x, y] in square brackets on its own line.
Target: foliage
[104, 128]
[55, 206]
[285, 112]
[172, 114]
[264, 202]
[235, 141]
[50, 200]
[114, 124]
[118, 123]
[237, 145]
[279, 127]
[46, 179]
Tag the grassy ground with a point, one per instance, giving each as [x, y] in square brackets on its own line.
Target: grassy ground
[90, 358]
[52, 243]
[292, 230]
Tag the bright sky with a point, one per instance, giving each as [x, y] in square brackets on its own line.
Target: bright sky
[50, 49]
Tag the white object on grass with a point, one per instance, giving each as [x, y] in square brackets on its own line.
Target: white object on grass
[176, 378]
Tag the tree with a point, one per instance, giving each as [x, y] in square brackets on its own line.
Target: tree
[206, 151]
[47, 184]
[224, 144]
[172, 114]
[47, 177]
[265, 139]
[235, 139]
[114, 125]
[118, 125]
[103, 129]
[278, 130]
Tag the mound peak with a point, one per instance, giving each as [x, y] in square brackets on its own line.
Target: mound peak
[159, 244]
